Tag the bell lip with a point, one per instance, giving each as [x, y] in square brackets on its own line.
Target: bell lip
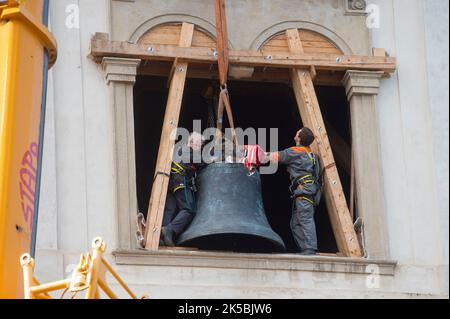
[279, 245]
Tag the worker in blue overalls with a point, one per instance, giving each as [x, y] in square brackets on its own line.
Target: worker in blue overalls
[304, 169]
[180, 201]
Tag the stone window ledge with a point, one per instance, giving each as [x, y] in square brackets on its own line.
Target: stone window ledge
[290, 262]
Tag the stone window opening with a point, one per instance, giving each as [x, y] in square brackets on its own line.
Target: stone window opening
[360, 86]
[256, 104]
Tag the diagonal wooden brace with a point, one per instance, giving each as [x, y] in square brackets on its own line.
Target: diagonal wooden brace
[309, 108]
[165, 153]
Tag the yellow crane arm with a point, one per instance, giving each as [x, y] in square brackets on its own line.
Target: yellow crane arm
[89, 276]
[27, 50]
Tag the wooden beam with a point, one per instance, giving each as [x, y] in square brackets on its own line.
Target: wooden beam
[165, 153]
[172, 71]
[101, 48]
[309, 108]
[203, 71]
[379, 52]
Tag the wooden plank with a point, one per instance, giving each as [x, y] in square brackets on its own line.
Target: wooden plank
[165, 153]
[170, 35]
[161, 38]
[312, 42]
[309, 108]
[320, 61]
[305, 35]
[103, 48]
[203, 40]
[174, 28]
[379, 52]
[294, 42]
[308, 35]
[308, 50]
[283, 43]
[172, 71]
[204, 71]
[319, 45]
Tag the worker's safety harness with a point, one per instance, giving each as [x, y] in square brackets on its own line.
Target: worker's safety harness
[189, 182]
[299, 183]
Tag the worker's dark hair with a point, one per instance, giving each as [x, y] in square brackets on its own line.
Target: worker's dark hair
[306, 136]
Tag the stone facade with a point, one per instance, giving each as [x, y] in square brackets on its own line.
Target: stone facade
[87, 188]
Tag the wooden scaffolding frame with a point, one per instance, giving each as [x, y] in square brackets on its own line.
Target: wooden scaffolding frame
[303, 68]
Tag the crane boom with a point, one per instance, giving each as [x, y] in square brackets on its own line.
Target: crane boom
[27, 51]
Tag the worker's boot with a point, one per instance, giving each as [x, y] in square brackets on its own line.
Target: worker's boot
[308, 252]
[167, 235]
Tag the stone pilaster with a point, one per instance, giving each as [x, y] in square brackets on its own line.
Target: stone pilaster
[120, 75]
[362, 89]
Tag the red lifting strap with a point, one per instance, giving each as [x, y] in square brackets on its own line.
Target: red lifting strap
[224, 102]
[222, 41]
[222, 56]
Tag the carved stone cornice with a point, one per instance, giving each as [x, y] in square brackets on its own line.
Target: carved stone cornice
[361, 83]
[120, 69]
[355, 7]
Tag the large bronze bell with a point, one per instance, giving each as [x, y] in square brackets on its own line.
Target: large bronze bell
[230, 213]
